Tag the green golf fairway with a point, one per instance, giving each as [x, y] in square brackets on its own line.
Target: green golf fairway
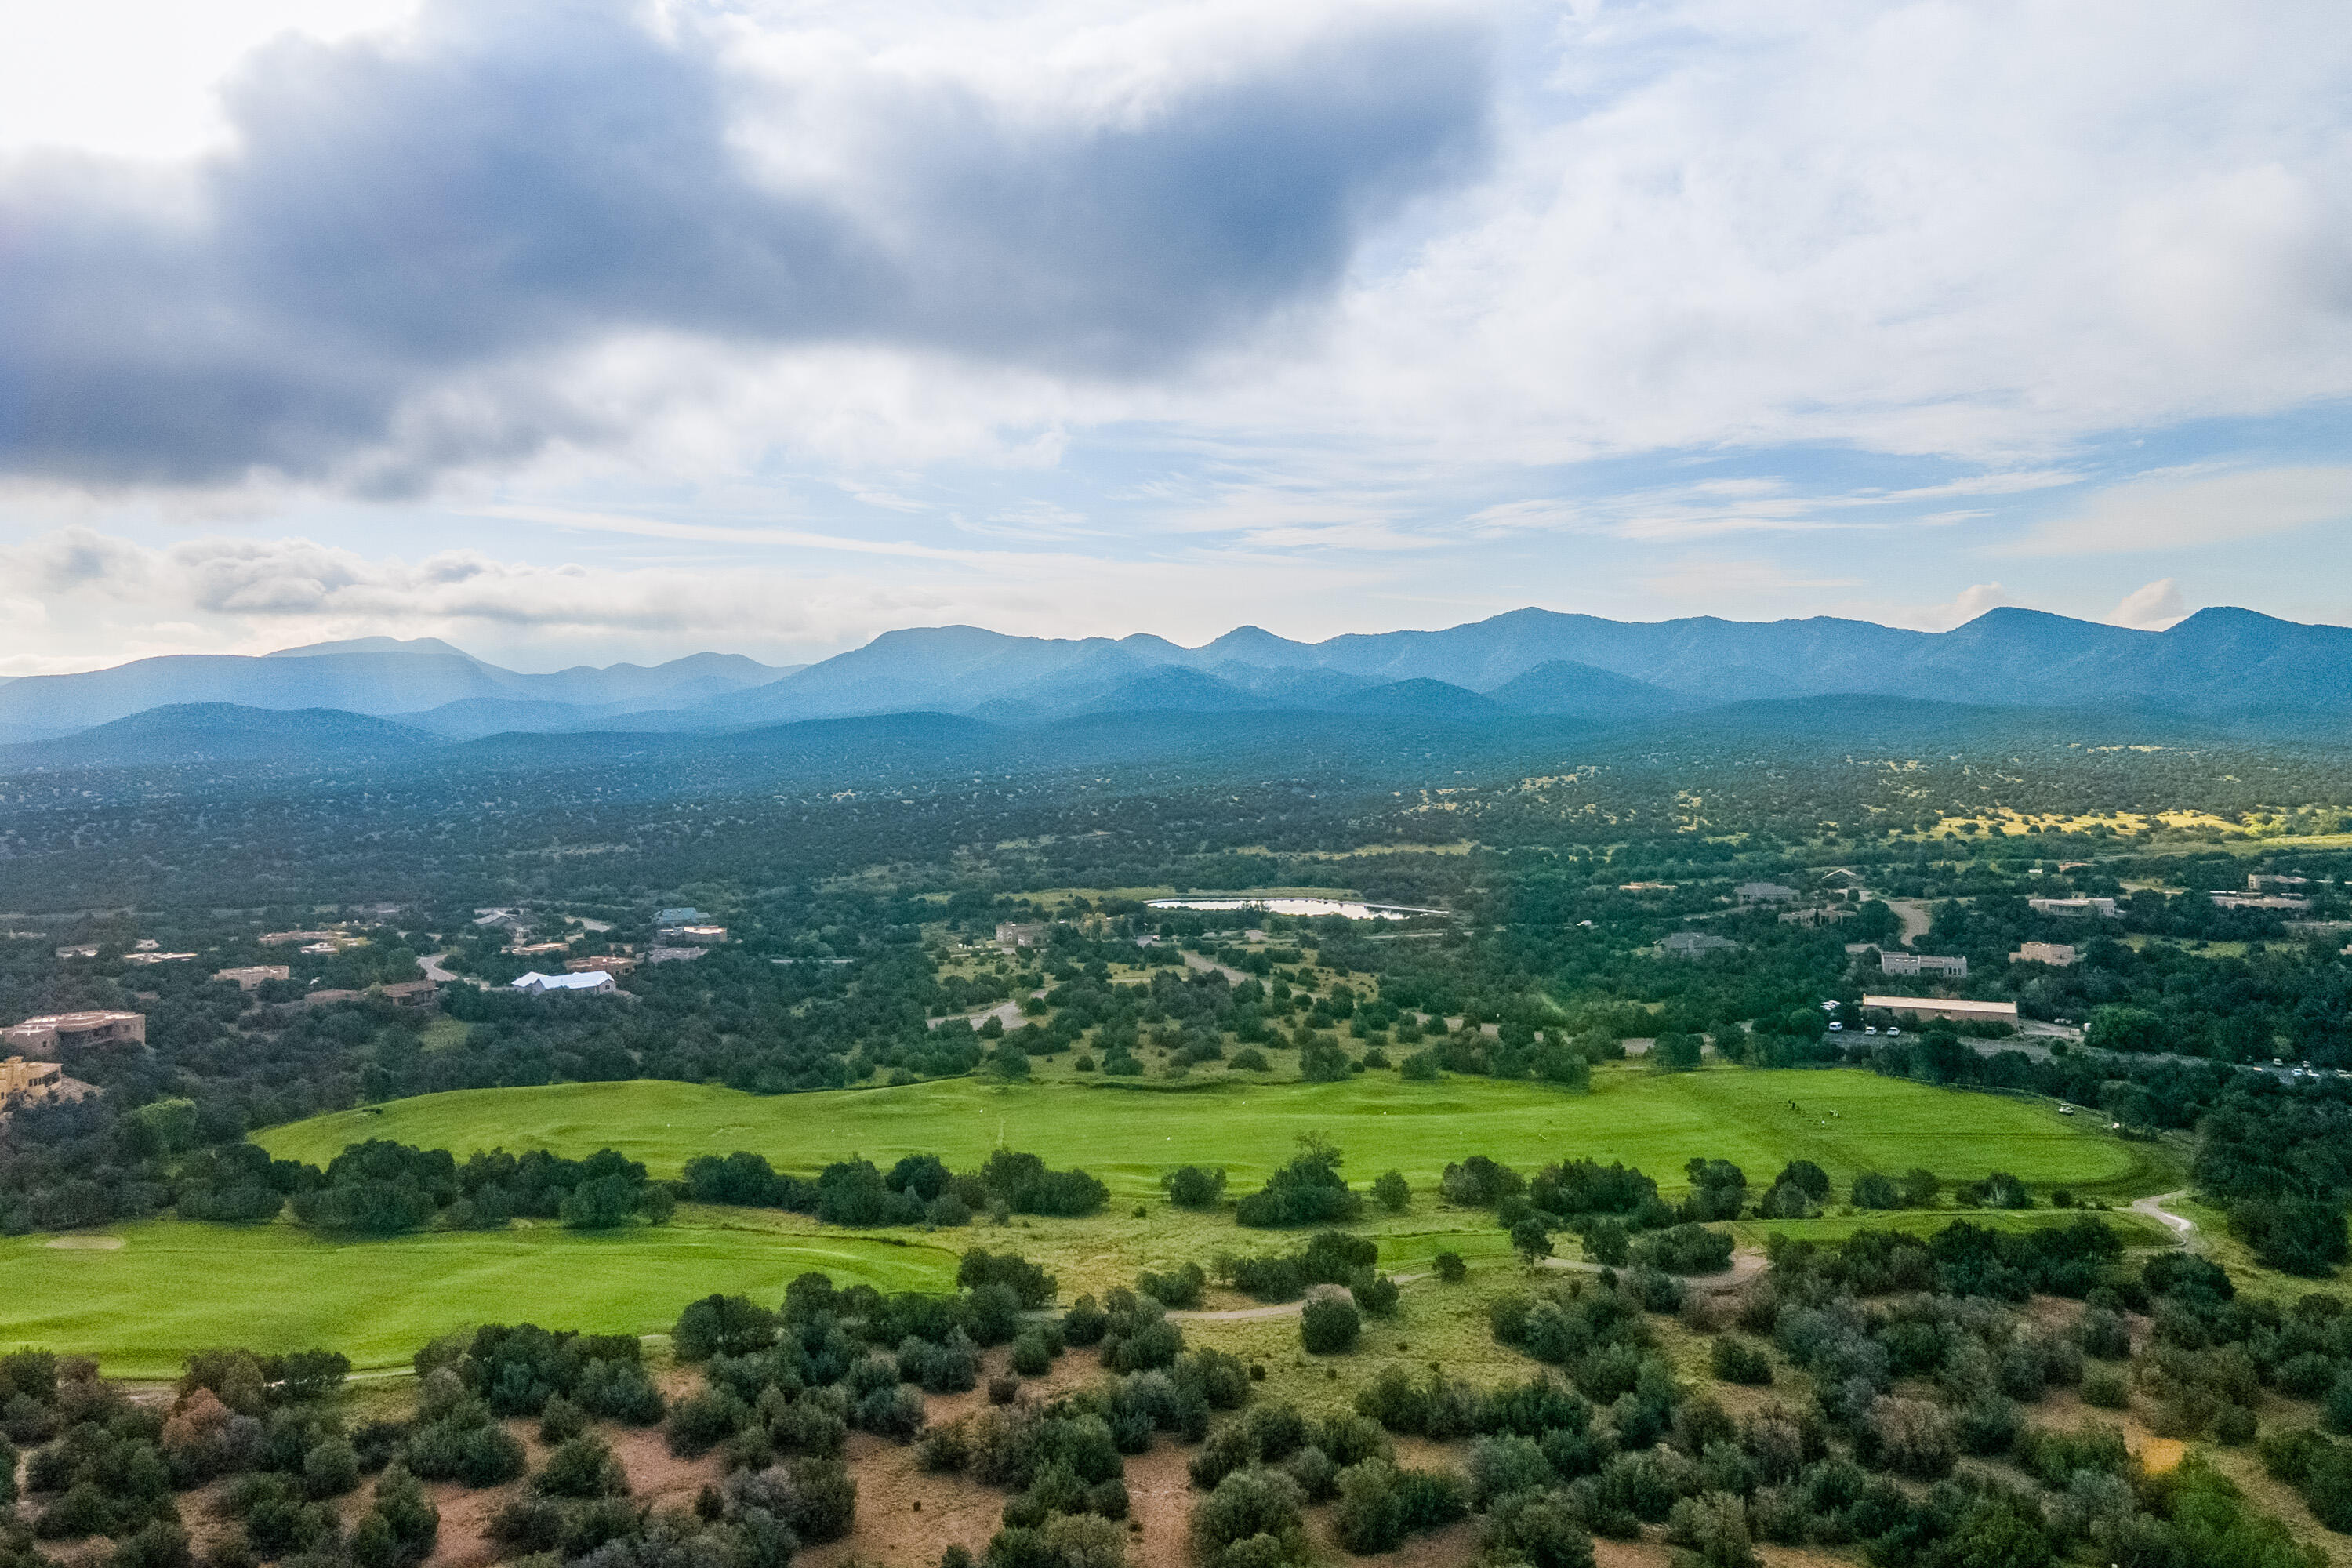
[173, 1287]
[1845, 1122]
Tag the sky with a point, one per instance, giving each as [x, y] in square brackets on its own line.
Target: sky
[593, 330]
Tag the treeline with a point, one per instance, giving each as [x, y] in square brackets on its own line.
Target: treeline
[381, 1188]
[919, 1190]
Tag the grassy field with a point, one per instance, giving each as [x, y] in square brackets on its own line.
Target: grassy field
[172, 1288]
[1845, 1122]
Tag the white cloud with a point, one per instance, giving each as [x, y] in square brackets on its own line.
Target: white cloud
[1970, 603]
[2151, 608]
[2183, 510]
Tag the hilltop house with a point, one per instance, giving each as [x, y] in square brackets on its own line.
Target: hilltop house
[19, 1076]
[253, 975]
[1762, 893]
[1018, 933]
[2058, 955]
[97, 1027]
[1692, 944]
[592, 982]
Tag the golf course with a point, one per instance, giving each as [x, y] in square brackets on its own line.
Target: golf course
[143, 1294]
[1845, 1122]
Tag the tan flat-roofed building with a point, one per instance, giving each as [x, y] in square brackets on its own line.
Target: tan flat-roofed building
[412, 993]
[610, 964]
[96, 1027]
[253, 975]
[2056, 954]
[18, 1076]
[281, 938]
[1940, 1007]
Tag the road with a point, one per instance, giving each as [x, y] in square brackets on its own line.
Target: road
[1232, 976]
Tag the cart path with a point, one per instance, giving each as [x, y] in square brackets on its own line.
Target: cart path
[2182, 1227]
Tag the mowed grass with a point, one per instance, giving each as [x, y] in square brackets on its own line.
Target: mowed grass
[171, 1289]
[1845, 1122]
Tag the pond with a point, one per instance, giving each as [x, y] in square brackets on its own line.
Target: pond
[1350, 908]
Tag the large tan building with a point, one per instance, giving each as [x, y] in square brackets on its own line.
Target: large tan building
[61, 1029]
[1940, 1007]
[253, 975]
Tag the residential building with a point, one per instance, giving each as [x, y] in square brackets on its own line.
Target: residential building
[18, 1076]
[2270, 881]
[253, 975]
[532, 949]
[422, 994]
[157, 957]
[1922, 963]
[610, 964]
[592, 982]
[1825, 914]
[1692, 944]
[96, 1027]
[2057, 954]
[79, 950]
[1019, 933]
[708, 935]
[2074, 908]
[1940, 1007]
[285, 938]
[2259, 901]
[1762, 893]
[1645, 887]
[661, 955]
[676, 917]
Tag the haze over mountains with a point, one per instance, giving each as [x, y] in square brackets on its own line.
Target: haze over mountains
[2220, 664]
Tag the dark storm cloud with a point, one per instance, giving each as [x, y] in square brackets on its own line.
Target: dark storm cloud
[384, 271]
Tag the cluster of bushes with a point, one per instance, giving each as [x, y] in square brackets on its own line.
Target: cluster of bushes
[1310, 1190]
[919, 1190]
[381, 1188]
[517, 1370]
[792, 1381]
[1262, 1470]
[1961, 1259]
[1330, 1257]
[102, 1465]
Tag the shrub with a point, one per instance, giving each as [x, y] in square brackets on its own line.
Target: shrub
[1876, 1190]
[582, 1468]
[1310, 1190]
[331, 1469]
[560, 1421]
[1183, 1288]
[1909, 1437]
[702, 1421]
[1248, 1505]
[1330, 1325]
[1193, 1187]
[2106, 1390]
[1449, 1267]
[1737, 1360]
[1392, 1192]
[1375, 1293]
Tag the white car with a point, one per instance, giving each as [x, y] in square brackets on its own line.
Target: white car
[1893, 1029]
[1871, 1029]
[2066, 1111]
[1836, 1027]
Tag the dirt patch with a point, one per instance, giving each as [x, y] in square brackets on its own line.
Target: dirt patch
[87, 1243]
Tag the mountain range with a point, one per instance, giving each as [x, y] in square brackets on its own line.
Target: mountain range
[2220, 664]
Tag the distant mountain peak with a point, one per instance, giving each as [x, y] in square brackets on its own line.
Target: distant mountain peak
[373, 645]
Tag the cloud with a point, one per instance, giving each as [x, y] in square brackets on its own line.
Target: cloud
[2151, 608]
[1972, 601]
[2185, 510]
[418, 243]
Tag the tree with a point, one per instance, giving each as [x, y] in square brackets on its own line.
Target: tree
[1921, 1187]
[1531, 1239]
[1193, 1187]
[1329, 1325]
[1392, 1192]
[600, 1204]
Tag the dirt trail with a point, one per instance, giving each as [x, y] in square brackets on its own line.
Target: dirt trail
[1278, 1310]
[2183, 1228]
